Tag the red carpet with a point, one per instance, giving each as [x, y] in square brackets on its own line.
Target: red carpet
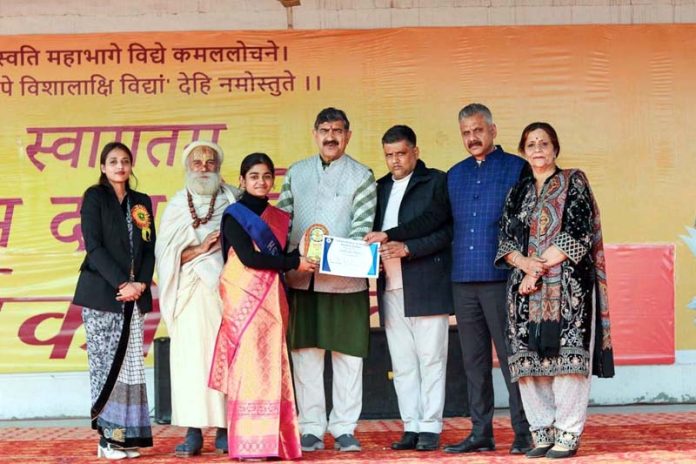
[608, 438]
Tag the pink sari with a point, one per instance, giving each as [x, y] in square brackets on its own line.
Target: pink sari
[250, 364]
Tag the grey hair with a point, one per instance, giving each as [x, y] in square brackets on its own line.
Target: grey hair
[473, 109]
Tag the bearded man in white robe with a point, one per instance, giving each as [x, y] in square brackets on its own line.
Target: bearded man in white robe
[189, 263]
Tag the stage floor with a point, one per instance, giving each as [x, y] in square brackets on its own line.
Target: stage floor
[644, 434]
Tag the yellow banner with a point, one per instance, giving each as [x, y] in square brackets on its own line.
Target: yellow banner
[621, 97]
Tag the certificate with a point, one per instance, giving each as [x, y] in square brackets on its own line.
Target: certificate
[349, 258]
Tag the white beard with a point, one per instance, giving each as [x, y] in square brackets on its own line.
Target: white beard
[197, 183]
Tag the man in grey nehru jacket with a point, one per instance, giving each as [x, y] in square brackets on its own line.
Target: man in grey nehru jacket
[329, 312]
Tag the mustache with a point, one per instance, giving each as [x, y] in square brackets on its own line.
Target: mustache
[474, 144]
[330, 142]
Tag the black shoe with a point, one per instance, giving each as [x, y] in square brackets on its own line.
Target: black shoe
[521, 444]
[471, 444]
[428, 441]
[221, 441]
[408, 442]
[558, 454]
[192, 445]
[538, 452]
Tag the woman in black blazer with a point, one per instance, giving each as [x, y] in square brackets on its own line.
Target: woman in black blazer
[114, 292]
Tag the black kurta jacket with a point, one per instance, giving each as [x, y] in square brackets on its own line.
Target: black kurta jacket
[426, 272]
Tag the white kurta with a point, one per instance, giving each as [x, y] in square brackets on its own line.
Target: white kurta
[191, 308]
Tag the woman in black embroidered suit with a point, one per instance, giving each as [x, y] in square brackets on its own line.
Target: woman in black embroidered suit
[114, 291]
[558, 318]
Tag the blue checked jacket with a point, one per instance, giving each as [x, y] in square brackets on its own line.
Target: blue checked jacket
[477, 195]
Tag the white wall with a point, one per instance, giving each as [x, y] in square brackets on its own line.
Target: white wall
[52, 395]
[59, 395]
[81, 16]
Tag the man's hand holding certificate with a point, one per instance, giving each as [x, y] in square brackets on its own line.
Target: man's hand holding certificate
[349, 258]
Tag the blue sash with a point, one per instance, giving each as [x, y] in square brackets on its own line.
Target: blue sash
[260, 233]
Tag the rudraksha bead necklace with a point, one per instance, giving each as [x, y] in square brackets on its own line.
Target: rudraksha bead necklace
[196, 220]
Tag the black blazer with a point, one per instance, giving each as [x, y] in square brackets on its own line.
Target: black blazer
[426, 272]
[107, 263]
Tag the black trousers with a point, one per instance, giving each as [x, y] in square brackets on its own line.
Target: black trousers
[481, 318]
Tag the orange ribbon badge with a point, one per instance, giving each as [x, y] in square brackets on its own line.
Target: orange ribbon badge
[142, 219]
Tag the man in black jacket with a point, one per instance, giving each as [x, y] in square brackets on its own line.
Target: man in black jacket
[414, 290]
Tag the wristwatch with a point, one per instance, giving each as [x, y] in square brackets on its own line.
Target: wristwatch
[406, 250]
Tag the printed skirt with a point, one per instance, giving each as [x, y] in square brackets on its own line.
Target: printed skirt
[117, 376]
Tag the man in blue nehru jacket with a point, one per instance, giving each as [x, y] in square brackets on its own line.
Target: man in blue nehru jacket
[477, 189]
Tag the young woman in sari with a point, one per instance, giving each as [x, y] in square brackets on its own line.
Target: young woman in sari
[250, 364]
[558, 318]
[114, 292]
